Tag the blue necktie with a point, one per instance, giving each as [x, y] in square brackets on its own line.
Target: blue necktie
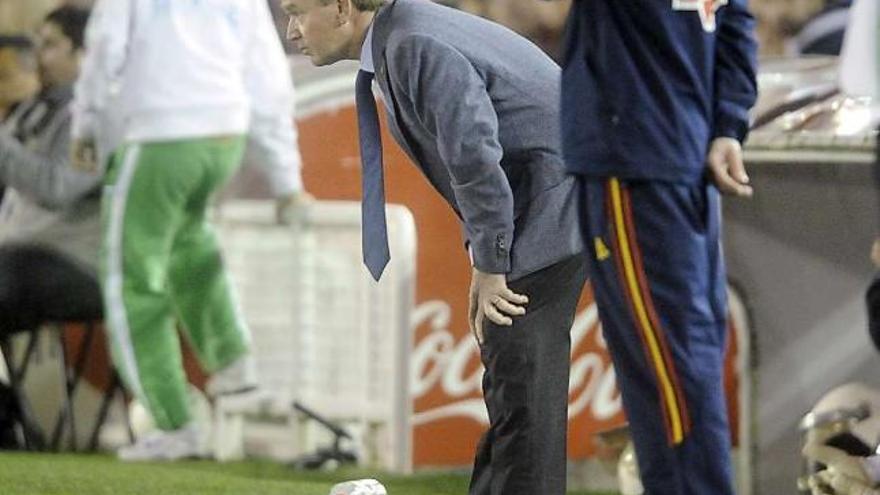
[374, 237]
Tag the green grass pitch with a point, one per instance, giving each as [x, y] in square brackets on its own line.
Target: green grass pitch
[38, 474]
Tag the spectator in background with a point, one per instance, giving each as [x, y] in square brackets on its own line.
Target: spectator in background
[541, 22]
[194, 80]
[779, 21]
[49, 217]
[823, 33]
[18, 73]
[23, 16]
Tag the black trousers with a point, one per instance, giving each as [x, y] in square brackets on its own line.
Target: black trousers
[38, 285]
[525, 387]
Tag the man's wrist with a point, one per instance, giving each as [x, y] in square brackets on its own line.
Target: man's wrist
[730, 139]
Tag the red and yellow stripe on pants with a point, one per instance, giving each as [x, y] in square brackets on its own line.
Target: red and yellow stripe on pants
[634, 284]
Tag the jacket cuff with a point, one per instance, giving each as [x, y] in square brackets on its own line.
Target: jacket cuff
[491, 252]
[731, 127]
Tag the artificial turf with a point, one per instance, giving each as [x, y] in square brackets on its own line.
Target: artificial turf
[41, 474]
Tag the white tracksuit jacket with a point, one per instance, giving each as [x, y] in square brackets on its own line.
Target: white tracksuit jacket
[159, 70]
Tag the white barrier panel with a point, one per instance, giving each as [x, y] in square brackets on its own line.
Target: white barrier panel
[324, 333]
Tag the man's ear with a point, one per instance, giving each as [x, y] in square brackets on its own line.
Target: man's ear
[343, 11]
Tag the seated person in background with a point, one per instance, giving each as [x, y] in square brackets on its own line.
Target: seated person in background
[49, 217]
[18, 78]
[779, 21]
[18, 73]
[823, 33]
[541, 22]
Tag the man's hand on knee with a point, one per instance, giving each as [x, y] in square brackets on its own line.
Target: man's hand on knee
[490, 298]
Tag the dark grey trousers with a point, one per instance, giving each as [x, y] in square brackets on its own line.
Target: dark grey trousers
[525, 387]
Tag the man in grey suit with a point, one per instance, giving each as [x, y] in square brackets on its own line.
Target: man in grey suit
[475, 107]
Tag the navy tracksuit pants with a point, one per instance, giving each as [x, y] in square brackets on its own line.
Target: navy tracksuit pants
[658, 274]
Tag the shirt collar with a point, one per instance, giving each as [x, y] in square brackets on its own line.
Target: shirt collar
[367, 52]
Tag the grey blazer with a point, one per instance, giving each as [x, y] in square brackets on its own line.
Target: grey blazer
[476, 108]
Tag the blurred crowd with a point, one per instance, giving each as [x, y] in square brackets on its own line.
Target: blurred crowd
[25, 15]
[785, 27]
[779, 21]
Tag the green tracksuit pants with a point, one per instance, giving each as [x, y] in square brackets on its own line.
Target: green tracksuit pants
[161, 266]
